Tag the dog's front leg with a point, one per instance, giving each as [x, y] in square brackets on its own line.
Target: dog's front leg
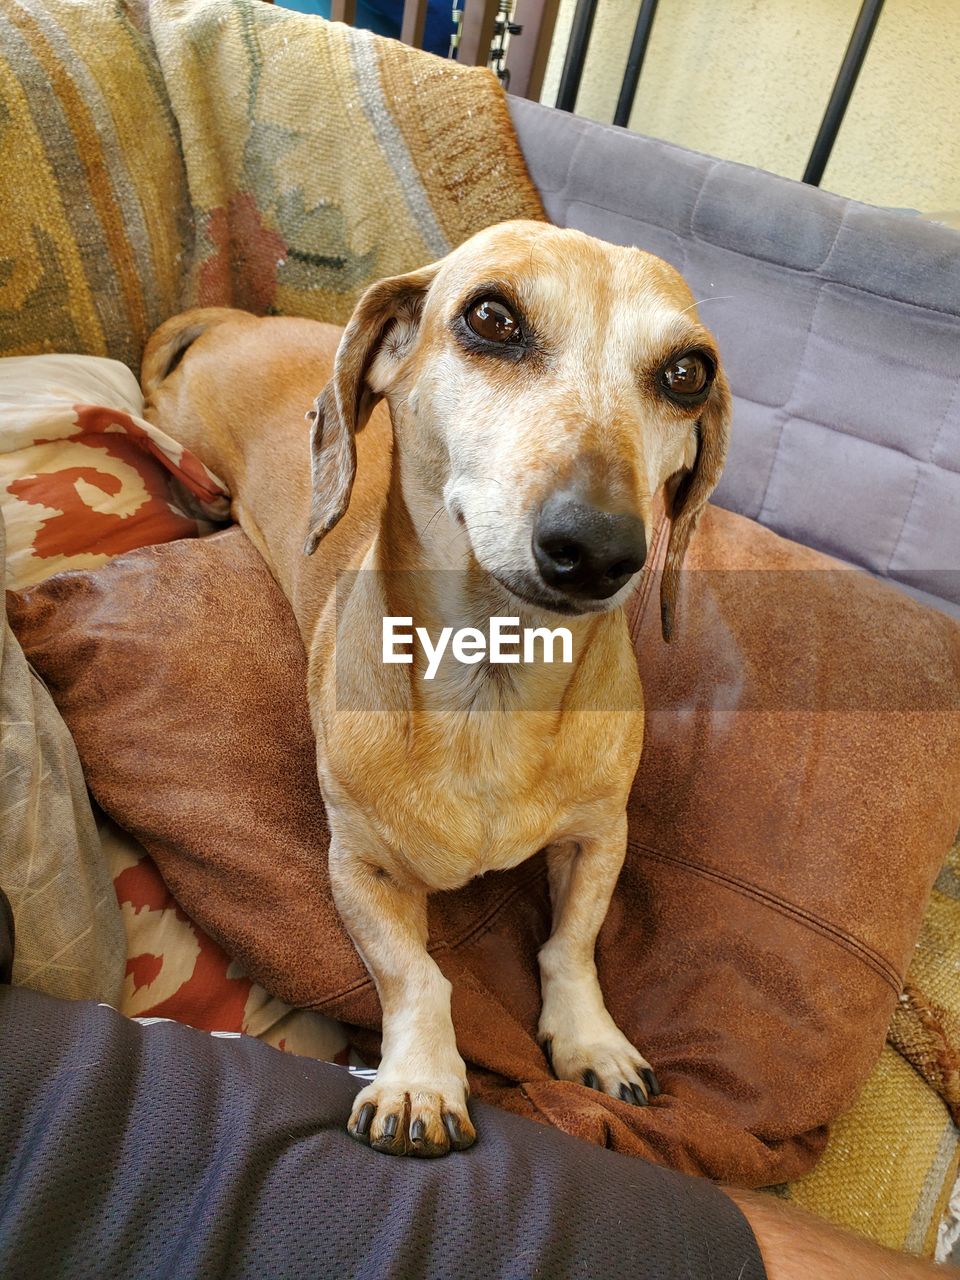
[418, 1103]
[579, 1036]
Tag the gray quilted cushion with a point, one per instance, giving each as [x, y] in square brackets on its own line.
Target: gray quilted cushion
[839, 325]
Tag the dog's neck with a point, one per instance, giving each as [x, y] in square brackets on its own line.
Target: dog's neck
[435, 579]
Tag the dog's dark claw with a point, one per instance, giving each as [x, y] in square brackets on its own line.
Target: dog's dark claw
[452, 1126]
[591, 1079]
[653, 1084]
[365, 1119]
[547, 1047]
[417, 1130]
[632, 1093]
[390, 1126]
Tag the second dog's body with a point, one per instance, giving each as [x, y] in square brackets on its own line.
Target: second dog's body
[534, 381]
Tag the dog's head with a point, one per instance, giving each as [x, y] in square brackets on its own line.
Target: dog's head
[552, 385]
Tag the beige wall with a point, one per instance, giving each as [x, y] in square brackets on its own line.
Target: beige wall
[748, 80]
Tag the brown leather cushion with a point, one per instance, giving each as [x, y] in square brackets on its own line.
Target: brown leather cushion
[799, 787]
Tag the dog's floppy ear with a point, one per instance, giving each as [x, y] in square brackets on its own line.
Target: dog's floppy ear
[688, 490]
[385, 319]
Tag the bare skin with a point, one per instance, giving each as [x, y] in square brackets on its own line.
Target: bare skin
[796, 1245]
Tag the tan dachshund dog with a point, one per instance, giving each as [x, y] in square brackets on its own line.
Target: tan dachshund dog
[541, 387]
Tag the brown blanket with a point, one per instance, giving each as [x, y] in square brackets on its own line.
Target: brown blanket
[796, 796]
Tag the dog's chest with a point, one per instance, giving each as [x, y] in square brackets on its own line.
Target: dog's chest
[461, 798]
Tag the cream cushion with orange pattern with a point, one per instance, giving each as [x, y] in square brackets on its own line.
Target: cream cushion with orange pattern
[175, 970]
[83, 476]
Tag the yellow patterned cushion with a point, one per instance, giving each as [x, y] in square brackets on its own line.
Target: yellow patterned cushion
[926, 1024]
[94, 226]
[890, 1164]
[231, 153]
[321, 158]
[892, 1161]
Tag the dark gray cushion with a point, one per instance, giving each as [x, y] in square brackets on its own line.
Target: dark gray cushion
[839, 325]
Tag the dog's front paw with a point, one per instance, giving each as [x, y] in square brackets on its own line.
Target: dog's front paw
[413, 1118]
[602, 1058]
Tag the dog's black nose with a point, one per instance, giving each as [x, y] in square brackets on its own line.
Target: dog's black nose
[585, 551]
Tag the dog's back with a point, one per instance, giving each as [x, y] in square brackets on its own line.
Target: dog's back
[235, 390]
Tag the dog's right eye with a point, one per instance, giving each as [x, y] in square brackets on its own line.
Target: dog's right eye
[491, 320]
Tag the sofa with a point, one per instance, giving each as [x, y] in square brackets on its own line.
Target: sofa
[839, 329]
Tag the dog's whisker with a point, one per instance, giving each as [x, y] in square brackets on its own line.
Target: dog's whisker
[720, 297]
[426, 528]
[461, 530]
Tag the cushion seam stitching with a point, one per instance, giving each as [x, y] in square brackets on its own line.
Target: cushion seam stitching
[883, 967]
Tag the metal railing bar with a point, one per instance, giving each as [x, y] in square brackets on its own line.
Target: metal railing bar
[638, 51]
[842, 90]
[576, 55]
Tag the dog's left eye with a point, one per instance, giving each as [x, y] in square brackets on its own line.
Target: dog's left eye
[687, 377]
[491, 320]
